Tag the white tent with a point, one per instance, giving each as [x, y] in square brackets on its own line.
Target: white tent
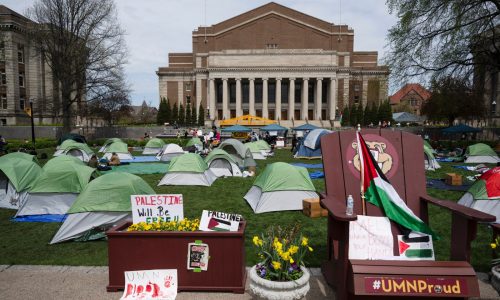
[169, 151]
[188, 169]
[222, 164]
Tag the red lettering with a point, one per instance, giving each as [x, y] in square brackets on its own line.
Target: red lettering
[137, 200]
[152, 200]
[130, 290]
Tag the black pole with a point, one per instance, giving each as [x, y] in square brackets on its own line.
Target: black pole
[32, 126]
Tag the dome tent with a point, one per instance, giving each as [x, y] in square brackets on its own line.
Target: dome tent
[481, 153]
[93, 212]
[279, 187]
[196, 142]
[153, 146]
[430, 161]
[222, 164]
[484, 194]
[18, 172]
[188, 169]
[78, 150]
[255, 148]
[120, 148]
[169, 151]
[56, 188]
[239, 152]
[310, 145]
[109, 142]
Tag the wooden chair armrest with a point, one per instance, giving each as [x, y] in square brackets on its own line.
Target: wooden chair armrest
[461, 210]
[336, 209]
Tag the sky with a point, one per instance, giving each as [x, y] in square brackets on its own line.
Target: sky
[156, 27]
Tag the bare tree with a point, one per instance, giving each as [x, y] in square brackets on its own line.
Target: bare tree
[83, 44]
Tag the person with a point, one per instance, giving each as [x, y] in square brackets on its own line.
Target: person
[2, 145]
[146, 135]
[294, 142]
[115, 160]
[93, 163]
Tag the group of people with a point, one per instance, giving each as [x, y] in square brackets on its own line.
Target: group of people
[104, 164]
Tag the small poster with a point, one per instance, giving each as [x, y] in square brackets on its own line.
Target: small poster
[273, 133]
[151, 284]
[416, 246]
[370, 238]
[197, 258]
[219, 221]
[153, 208]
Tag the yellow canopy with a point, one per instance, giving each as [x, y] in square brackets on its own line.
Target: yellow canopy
[247, 120]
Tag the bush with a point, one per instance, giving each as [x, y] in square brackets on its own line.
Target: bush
[41, 143]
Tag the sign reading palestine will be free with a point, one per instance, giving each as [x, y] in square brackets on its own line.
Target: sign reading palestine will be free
[153, 208]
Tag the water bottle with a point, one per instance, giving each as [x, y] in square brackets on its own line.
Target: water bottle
[350, 206]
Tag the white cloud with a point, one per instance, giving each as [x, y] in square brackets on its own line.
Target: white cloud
[156, 27]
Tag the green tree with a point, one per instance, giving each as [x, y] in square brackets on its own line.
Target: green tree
[353, 120]
[359, 115]
[161, 116]
[367, 115]
[188, 115]
[181, 119]
[168, 112]
[345, 117]
[194, 119]
[373, 114]
[201, 116]
[175, 114]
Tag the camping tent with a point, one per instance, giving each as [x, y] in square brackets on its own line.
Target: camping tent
[153, 146]
[222, 164]
[239, 152]
[310, 146]
[406, 117]
[109, 142]
[484, 194]
[169, 151]
[18, 172]
[120, 148]
[481, 153]
[188, 169]
[430, 161]
[196, 142]
[72, 136]
[280, 186]
[92, 212]
[78, 150]
[56, 188]
[255, 148]
[428, 145]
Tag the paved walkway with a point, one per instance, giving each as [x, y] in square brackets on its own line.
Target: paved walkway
[65, 282]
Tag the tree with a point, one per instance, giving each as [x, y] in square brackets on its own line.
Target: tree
[359, 115]
[111, 107]
[194, 119]
[181, 119]
[366, 115]
[83, 45]
[188, 115]
[345, 117]
[201, 116]
[449, 90]
[353, 120]
[175, 114]
[438, 37]
[161, 117]
[168, 112]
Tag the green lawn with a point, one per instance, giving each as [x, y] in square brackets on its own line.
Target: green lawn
[27, 243]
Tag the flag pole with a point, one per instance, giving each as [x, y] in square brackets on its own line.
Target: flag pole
[361, 171]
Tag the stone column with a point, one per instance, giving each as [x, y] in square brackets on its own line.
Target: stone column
[318, 105]
[251, 96]
[277, 110]
[180, 93]
[225, 111]
[305, 98]
[291, 99]
[345, 99]
[211, 93]
[198, 94]
[265, 99]
[239, 110]
[332, 101]
[364, 92]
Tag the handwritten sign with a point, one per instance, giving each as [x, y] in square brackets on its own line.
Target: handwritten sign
[219, 221]
[151, 284]
[370, 238]
[153, 208]
[197, 258]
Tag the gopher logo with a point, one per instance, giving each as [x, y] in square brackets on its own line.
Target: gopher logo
[377, 149]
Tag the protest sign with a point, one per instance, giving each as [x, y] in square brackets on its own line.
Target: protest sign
[151, 284]
[219, 221]
[197, 258]
[416, 246]
[153, 208]
[370, 238]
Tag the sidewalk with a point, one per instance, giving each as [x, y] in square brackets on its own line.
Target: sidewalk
[65, 282]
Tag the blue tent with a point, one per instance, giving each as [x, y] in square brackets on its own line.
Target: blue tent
[236, 128]
[461, 128]
[310, 146]
[305, 127]
[273, 127]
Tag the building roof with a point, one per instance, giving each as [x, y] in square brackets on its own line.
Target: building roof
[416, 87]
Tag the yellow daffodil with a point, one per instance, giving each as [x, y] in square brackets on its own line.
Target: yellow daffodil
[276, 265]
[493, 245]
[291, 260]
[293, 249]
[310, 249]
[305, 241]
[255, 240]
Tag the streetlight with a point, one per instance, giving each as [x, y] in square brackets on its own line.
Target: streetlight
[32, 124]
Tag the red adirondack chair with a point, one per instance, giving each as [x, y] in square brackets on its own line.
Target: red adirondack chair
[401, 158]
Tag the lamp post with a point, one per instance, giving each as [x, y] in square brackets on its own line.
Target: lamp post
[32, 125]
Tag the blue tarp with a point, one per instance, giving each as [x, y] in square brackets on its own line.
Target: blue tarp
[305, 127]
[139, 159]
[308, 166]
[316, 175]
[41, 218]
[461, 128]
[441, 185]
[273, 127]
[304, 151]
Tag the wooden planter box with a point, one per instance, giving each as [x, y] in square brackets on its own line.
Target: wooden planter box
[129, 251]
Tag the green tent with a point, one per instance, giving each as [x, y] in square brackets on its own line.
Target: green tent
[427, 145]
[253, 147]
[189, 162]
[240, 153]
[263, 145]
[109, 142]
[70, 144]
[481, 153]
[117, 186]
[155, 143]
[430, 161]
[219, 153]
[118, 147]
[21, 169]
[222, 164]
[194, 141]
[63, 174]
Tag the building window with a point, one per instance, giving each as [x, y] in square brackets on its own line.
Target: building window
[272, 46]
[356, 99]
[188, 86]
[20, 54]
[3, 122]
[22, 102]
[21, 79]
[188, 99]
[3, 77]
[3, 101]
[2, 51]
[413, 102]
[356, 87]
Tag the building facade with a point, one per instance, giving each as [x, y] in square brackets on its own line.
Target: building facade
[410, 98]
[274, 62]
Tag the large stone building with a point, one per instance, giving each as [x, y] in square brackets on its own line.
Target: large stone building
[274, 62]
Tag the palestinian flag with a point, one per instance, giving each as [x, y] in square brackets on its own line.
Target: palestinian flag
[379, 192]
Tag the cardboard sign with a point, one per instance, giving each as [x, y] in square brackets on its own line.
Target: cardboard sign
[197, 258]
[416, 246]
[152, 208]
[151, 284]
[370, 238]
[219, 221]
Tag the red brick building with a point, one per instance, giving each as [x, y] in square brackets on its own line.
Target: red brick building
[273, 62]
[411, 95]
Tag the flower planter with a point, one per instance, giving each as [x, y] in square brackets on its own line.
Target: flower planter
[276, 290]
[144, 250]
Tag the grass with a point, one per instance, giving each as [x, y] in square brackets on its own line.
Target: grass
[27, 243]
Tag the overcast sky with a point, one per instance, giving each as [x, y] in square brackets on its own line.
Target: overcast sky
[156, 27]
